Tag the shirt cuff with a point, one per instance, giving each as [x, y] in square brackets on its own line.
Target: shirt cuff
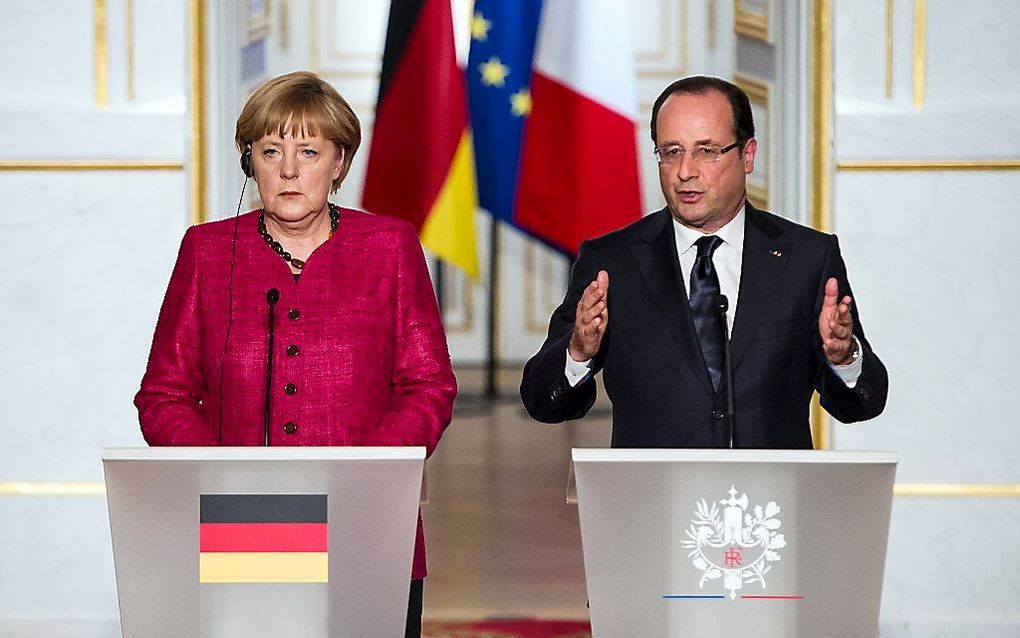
[850, 372]
[576, 371]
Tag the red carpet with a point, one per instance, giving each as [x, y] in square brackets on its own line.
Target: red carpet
[507, 629]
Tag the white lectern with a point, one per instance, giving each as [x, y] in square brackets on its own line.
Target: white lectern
[252, 542]
[763, 543]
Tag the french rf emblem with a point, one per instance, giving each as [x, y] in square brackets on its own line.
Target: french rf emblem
[730, 541]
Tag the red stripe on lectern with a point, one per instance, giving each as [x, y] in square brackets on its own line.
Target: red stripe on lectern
[263, 537]
[774, 597]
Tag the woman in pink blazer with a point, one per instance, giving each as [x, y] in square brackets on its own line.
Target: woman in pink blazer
[359, 354]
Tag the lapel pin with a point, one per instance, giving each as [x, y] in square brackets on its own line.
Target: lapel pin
[776, 253]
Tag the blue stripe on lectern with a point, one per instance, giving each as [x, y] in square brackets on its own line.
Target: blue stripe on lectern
[697, 597]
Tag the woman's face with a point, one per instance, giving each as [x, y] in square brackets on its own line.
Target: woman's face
[295, 174]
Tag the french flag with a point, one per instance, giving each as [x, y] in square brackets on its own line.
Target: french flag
[579, 168]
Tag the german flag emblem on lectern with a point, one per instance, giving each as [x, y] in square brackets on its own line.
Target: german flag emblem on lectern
[263, 538]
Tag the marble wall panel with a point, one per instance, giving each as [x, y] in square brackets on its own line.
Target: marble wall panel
[984, 131]
[54, 63]
[859, 42]
[59, 54]
[57, 564]
[971, 53]
[89, 255]
[157, 51]
[932, 258]
[660, 46]
[61, 135]
[968, 66]
[950, 570]
[55, 628]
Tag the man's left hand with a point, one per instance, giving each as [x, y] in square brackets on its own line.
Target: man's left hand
[836, 325]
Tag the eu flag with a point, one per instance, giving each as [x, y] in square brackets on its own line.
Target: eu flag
[502, 50]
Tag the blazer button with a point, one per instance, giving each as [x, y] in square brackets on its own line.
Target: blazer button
[293, 314]
[292, 350]
[718, 414]
[290, 427]
[290, 388]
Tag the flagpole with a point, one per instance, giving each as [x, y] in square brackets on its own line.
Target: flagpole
[491, 386]
[438, 285]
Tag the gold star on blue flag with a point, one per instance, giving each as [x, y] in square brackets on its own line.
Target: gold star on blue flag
[479, 26]
[520, 103]
[494, 72]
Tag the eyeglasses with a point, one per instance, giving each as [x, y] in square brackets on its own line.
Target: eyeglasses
[703, 154]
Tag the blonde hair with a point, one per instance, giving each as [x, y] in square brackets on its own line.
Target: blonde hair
[311, 107]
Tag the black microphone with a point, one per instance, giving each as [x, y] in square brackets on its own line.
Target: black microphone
[722, 305]
[272, 296]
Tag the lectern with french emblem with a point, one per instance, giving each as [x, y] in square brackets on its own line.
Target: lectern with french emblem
[762, 543]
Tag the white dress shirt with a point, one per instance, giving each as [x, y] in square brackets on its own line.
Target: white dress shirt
[727, 259]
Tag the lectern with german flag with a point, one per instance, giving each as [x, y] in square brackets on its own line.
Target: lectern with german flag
[224, 542]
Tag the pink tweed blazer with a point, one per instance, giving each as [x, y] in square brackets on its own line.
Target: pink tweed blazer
[359, 355]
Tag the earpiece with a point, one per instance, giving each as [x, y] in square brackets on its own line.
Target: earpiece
[246, 162]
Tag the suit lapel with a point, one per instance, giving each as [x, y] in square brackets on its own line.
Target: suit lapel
[764, 258]
[659, 264]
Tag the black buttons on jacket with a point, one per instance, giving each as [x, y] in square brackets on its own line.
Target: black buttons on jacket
[293, 314]
[292, 350]
[290, 388]
[290, 427]
[718, 414]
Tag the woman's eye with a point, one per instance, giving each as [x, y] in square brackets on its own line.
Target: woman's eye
[309, 152]
[269, 152]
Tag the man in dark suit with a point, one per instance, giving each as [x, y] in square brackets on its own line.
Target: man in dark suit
[643, 304]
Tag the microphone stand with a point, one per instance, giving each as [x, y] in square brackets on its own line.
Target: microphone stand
[272, 296]
[731, 414]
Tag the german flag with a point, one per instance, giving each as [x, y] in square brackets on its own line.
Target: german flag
[421, 162]
[263, 538]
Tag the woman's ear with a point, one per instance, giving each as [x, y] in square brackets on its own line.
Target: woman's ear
[339, 162]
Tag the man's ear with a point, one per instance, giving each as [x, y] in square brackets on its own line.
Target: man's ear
[750, 148]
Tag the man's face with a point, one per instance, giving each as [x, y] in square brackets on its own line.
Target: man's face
[702, 195]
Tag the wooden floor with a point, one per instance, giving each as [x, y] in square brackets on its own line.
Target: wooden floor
[502, 540]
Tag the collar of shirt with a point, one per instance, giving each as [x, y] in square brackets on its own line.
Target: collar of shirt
[727, 258]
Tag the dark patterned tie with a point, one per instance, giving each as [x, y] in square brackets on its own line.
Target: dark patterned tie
[704, 303]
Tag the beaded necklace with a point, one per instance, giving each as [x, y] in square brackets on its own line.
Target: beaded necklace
[334, 222]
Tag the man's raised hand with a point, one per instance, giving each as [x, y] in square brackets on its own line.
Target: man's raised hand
[590, 320]
[836, 325]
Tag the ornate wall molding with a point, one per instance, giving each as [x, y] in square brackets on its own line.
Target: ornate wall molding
[750, 23]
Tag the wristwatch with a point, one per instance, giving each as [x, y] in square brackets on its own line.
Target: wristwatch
[856, 354]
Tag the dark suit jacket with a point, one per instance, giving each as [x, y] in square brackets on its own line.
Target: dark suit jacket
[651, 359]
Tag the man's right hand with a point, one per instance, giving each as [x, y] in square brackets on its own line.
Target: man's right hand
[590, 320]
